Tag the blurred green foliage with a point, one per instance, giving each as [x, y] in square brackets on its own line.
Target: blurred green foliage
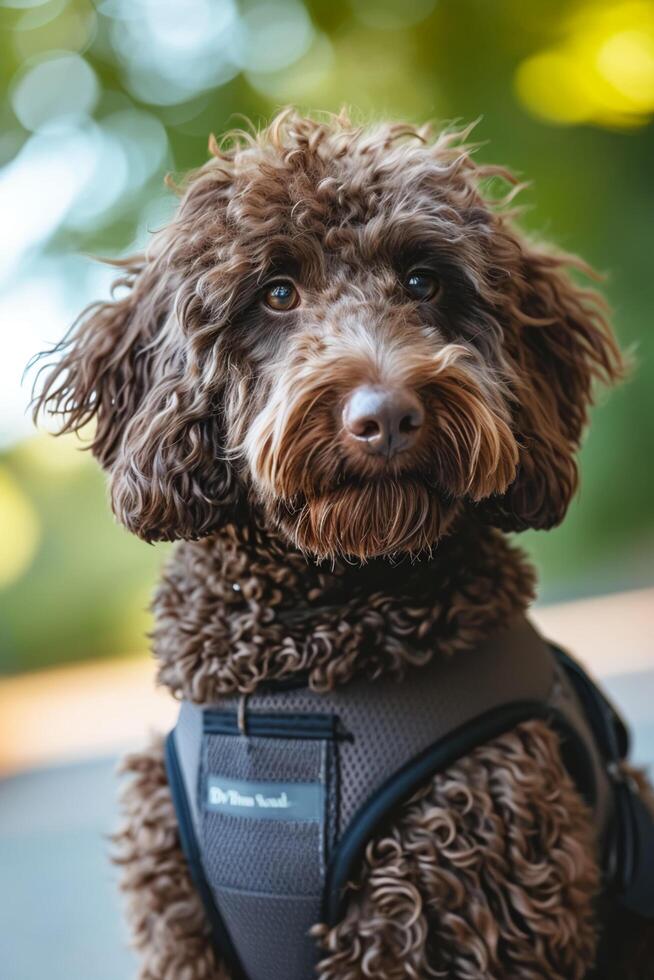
[564, 92]
[83, 585]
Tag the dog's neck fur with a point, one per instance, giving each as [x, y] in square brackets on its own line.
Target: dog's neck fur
[243, 607]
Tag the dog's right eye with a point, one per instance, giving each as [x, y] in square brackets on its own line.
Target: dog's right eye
[281, 296]
[422, 285]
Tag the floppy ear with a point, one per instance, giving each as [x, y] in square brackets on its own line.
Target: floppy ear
[559, 343]
[102, 367]
[134, 367]
[171, 478]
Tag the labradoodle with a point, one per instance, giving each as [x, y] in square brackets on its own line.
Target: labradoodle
[338, 378]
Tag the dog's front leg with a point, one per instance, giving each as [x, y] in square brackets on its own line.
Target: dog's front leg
[166, 916]
[488, 873]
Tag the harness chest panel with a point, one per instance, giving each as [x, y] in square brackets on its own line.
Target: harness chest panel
[277, 801]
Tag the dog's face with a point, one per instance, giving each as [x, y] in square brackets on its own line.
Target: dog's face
[372, 397]
[342, 331]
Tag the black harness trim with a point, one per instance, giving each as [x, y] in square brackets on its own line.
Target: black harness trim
[627, 864]
[382, 805]
[606, 724]
[222, 941]
[304, 726]
[628, 859]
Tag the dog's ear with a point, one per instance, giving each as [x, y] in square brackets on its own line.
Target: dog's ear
[101, 370]
[171, 478]
[559, 343]
[136, 367]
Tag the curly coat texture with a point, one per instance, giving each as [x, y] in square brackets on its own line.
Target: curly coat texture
[167, 918]
[240, 607]
[459, 887]
[220, 422]
[204, 399]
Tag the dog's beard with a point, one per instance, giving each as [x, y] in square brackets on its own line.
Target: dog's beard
[368, 519]
[330, 506]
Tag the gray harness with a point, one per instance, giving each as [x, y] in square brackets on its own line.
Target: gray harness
[278, 795]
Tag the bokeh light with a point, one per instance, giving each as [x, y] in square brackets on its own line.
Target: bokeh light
[67, 25]
[56, 90]
[101, 98]
[273, 35]
[169, 58]
[602, 71]
[20, 530]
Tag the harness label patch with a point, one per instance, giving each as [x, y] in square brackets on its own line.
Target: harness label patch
[266, 801]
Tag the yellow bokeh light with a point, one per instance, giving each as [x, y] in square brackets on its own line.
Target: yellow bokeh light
[552, 86]
[626, 60]
[602, 71]
[20, 530]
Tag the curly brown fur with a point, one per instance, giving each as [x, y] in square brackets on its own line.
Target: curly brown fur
[242, 606]
[166, 915]
[422, 905]
[472, 881]
[205, 398]
[222, 424]
[488, 873]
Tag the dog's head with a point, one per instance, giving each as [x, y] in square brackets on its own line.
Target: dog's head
[344, 330]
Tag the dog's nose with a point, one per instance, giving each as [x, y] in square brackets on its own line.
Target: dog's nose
[382, 421]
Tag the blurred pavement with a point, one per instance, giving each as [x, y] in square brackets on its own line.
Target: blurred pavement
[59, 909]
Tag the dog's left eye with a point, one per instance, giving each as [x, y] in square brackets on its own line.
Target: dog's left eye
[281, 296]
[421, 285]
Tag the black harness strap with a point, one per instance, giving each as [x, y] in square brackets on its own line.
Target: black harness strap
[628, 861]
[383, 805]
[222, 942]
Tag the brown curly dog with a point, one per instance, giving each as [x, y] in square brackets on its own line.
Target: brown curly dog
[342, 356]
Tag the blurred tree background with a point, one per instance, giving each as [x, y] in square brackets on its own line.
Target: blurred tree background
[100, 100]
